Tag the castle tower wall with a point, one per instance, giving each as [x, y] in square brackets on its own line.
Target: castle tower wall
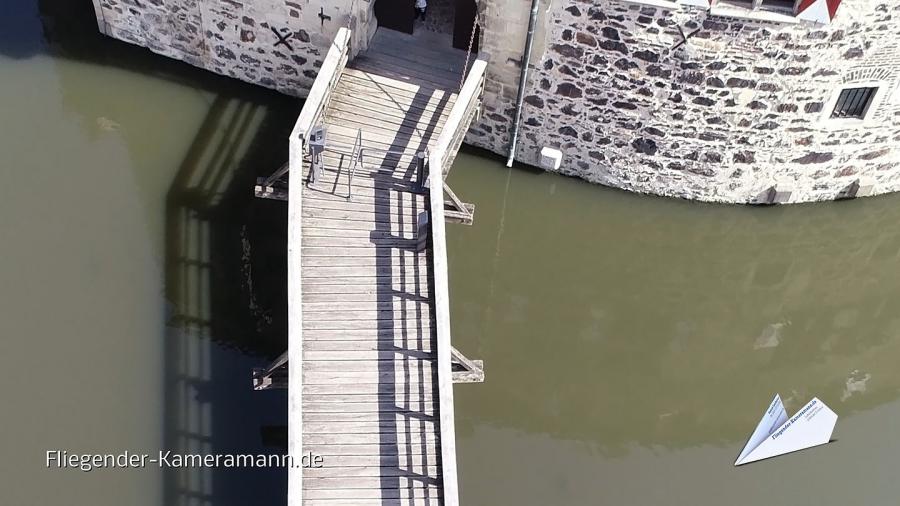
[739, 112]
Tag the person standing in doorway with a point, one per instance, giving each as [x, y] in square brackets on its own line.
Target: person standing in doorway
[421, 5]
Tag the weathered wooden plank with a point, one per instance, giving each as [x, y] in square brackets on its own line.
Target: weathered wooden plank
[388, 377]
[367, 357]
[380, 269]
[411, 261]
[402, 397]
[387, 303]
[411, 437]
[384, 197]
[421, 123]
[358, 83]
[385, 140]
[408, 371]
[357, 249]
[370, 215]
[387, 344]
[409, 462]
[373, 406]
[401, 92]
[369, 482]
[362, 495]
[410, 205]
[419, 77]
[373, 164]
[374, 168]
[341, 141]
[375, 450]
[369, 296]
[333, 183]
[375, 234]
[447, 78]
[401, 364]
[410, 325]
[411, 138]
[340, 266]
[397, 417]
[415, 501]
[366, 100]
[421, 56]
[369, 471]
[425, 46]
[336, 247]
[399, 330]
[375, 79]
[391, 287]
[374, 106]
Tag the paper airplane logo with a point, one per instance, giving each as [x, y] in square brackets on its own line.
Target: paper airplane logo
[777, 434]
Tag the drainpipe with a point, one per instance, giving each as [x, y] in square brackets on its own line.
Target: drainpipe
[520, 96]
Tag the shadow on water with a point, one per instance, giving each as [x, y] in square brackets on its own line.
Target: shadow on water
[225, 281]
[225, 259]
[20, 24]
[67, 29]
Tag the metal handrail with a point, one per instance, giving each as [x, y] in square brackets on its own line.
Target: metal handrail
[354, 161]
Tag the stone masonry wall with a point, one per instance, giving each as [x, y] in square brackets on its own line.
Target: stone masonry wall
[278, 44]
[741, 107]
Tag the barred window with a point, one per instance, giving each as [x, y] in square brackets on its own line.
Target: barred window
[853, 103]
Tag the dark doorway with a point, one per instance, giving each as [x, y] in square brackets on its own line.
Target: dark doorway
[395, 14]
[463, 23]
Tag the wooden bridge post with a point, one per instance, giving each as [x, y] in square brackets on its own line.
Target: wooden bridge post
[421, 160]
[422, 231]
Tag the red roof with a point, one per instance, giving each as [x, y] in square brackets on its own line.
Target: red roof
[831, 4]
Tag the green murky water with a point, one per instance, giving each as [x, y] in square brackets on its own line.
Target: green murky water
[632, 343]
[132, 305]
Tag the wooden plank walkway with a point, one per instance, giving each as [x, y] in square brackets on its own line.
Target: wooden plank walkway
[370, 400]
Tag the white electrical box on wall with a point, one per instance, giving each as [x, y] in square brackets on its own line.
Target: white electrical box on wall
[551, 158]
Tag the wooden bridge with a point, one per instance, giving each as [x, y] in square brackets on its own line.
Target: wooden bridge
[370, 366]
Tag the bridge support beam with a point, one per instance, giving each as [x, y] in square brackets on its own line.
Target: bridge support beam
[464, 369]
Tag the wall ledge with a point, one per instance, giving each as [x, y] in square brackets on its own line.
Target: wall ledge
[727, 11]
[663, 4]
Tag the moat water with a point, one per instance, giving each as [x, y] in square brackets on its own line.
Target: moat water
[631, 343]
[140, 281]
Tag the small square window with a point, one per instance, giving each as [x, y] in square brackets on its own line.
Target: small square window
[778, 5]
[853, 103]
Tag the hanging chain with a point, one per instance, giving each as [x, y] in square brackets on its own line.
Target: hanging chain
[462, 78]
[352, 13]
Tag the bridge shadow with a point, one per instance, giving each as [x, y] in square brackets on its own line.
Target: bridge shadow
[67, 29]
[226, 291]
[410, 445]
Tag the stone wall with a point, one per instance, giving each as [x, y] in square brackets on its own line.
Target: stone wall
[741, 107]
[738, 113]
[279, 44]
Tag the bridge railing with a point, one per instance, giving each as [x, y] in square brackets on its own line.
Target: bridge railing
[467, 105]
[465, 109]
[322, 88]
[310, 115]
